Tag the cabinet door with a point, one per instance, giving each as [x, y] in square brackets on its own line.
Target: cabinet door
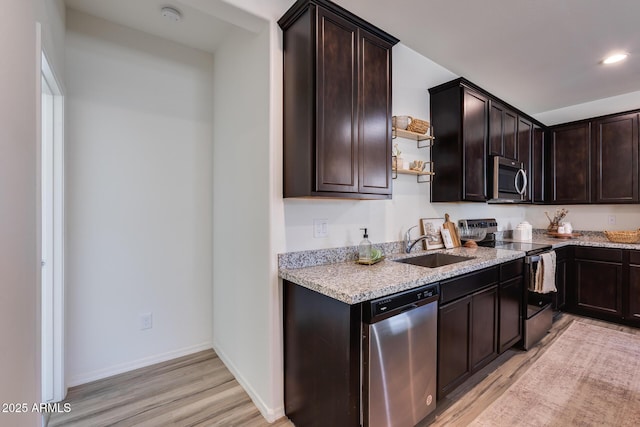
[536, 176]
[484, 322]
[615, 153]
[599, 287]
[570, 164]
[502, 131]
[525, 136]
[336, 117]
[633, 290]
[510, 325]
[453, 344]
[474, 143]
[374, 135]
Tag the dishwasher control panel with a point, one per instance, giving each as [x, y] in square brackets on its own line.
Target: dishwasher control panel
[399, 302]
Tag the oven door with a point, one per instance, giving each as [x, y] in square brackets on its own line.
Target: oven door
[509, 180]
[538, 315]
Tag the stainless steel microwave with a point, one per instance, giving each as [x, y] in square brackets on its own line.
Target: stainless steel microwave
[509, 181]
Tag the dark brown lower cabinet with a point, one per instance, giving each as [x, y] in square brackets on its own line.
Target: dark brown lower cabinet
[467, 327]
[598, 275]
[510, 325]
[454, 341]
[484, 327]
[633, 290]
[322, 340]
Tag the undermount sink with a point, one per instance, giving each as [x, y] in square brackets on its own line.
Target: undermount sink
[434, 260]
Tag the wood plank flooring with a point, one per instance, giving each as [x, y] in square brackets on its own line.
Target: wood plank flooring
[195, 390]
[198, 390]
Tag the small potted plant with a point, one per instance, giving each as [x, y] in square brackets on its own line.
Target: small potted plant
[398, 162]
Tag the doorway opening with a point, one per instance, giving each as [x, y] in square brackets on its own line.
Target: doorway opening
[52, 217]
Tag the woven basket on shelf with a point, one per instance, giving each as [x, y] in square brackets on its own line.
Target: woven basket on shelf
[418, 126]
[623, 236]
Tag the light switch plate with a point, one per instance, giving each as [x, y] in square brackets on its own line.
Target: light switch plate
[320, 228]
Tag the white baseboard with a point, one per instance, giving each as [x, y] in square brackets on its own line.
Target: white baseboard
[270, 414]
[99, 374]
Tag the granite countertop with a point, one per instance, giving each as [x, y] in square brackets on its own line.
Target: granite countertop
[587, 238]
[332, 272]
[353, 283]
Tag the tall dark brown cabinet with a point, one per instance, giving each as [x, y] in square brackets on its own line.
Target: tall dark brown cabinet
[337, 104]
[460, 115]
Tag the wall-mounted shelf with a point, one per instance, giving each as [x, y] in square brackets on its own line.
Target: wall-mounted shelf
[420, 176]
[422, 141]
[418, 137]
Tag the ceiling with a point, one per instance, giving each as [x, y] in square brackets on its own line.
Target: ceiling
[538, 55]
[200, 30]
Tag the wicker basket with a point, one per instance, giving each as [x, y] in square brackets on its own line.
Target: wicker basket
[623, 236]
[418, 126]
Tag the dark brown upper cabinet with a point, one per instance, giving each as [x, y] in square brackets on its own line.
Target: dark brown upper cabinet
[536, 176]
[524, 140]
[615, 159]
[337, 104]
[459, 115]
[472, 126]
[503, 131]
[595, 161]
[570, 164]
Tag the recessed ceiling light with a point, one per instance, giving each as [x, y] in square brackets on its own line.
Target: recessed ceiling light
[171, 14]
[612, 59]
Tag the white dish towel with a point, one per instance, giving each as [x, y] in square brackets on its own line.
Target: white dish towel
[545, 281]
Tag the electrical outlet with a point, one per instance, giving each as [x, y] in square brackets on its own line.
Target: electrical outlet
[320, 228]
[611, 220]
[146, 321]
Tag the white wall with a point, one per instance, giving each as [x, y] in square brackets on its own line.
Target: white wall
[19, 192]
[19, 352]
[244, 328]
[138, 198]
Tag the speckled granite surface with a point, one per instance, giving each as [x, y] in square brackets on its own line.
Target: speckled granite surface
[587, 238]
[333, 272]
[353, 283]
[302, 259]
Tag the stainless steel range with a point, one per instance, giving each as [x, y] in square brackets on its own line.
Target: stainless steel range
[537, 308]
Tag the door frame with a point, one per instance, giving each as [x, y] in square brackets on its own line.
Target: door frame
[51, 177]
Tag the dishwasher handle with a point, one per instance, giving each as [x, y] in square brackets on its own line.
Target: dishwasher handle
[383, 308]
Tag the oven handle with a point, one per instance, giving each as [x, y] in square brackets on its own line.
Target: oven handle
[531, 259]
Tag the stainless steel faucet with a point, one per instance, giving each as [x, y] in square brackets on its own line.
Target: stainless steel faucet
[408, 244]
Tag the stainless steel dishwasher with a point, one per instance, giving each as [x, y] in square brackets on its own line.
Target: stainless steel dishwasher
[399, 358]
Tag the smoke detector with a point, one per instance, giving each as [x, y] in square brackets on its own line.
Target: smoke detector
[171, 14]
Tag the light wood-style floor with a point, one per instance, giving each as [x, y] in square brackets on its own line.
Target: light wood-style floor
[468, 401]
[198, 390]
[195, 390]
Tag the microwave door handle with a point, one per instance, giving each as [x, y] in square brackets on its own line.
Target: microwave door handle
[522, 190]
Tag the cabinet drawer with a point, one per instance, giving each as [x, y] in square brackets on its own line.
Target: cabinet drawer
[469, 283]
[634, 257]
[511, 269]
[599, 254]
